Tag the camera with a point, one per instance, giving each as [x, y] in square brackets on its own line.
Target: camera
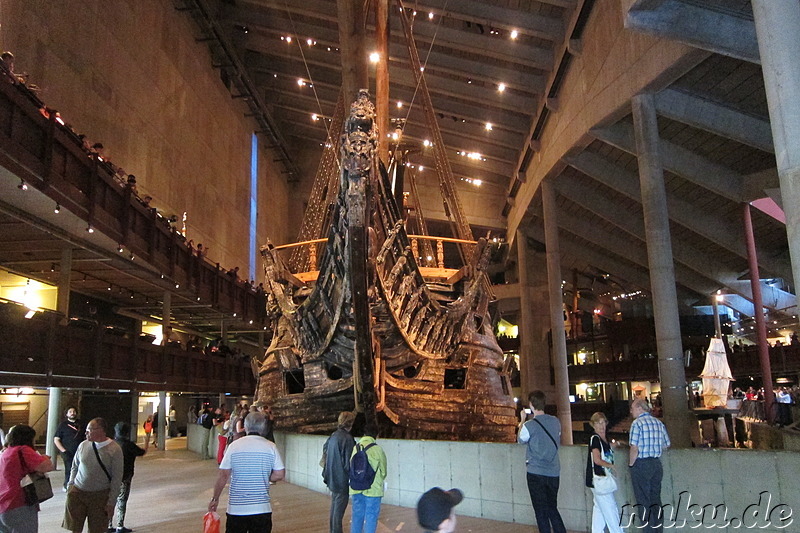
[527, 411]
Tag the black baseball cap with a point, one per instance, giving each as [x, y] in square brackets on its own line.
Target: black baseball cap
[434, 507]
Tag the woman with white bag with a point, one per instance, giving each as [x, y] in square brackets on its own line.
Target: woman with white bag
[600, 478]
[20, 458]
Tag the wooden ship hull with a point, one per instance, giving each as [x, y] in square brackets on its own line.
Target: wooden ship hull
[358, 324]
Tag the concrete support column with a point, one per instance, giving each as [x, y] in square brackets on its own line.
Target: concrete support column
[556, 306]
[166, 312]
[64, 273]
[162, 420]
[717, 325]
[777, 28]
[758, 315]
[53, 419]
[533, 322]
[221, 399]
[677, 417]
[134, 420]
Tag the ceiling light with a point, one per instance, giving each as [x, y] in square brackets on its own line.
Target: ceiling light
[514, 34]
[119, 248]
[251, 321]
[287, 38]
[477, 183]
[89, 229]
[421, 168]
[501, 87]
[57, 210]
[426, 143]
[22, 185]
[488, 126]
[177, 285]
[311, 42]
[430, 16]
[399, 104]
[109, 287]
[301, 82]
[30, 313]
[374, 57]
[234, 315]
[469, 81]
[314, 117]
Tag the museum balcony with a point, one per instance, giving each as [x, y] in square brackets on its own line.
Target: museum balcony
[71, 229]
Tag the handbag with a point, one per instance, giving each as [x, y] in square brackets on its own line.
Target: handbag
[35, 485]
[603, 484]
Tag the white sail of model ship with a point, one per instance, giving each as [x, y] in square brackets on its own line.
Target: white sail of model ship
[716, 375]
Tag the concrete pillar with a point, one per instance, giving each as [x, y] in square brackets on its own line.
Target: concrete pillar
[53, 419]
[166, 312]
[134, 420]
[221, 399]
[162, 420]
[556, 306]
[777, 28]
[677, 417]
[64, 274]
[534, 321]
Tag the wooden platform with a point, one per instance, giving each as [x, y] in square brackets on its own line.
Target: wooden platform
[171, 490]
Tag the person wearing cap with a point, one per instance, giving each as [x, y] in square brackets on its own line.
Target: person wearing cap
[435, 510]
[336, 468]
[542, 435]
[367, 503]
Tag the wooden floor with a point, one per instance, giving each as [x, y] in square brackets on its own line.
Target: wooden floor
[171, 490]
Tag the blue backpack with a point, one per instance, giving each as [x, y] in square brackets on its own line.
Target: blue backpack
[361, 472]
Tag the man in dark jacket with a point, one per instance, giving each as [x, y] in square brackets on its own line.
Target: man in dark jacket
[336, 471]
[69, 434]
[130, 451]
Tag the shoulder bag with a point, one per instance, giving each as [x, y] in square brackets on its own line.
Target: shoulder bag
[35, 485]
[603, 484]
[97, 454]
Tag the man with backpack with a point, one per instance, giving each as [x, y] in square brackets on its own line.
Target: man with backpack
[336, 452]
[367, 473]
[542, 435]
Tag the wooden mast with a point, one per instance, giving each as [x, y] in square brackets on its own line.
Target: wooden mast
[354, 78]
[382, 77]
[352, 46]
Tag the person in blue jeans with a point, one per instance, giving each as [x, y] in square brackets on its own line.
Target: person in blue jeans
[367, 503]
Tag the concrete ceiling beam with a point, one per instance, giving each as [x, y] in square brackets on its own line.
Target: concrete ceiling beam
[715, 118]
[680, 161]
[707, 28]
[681, 211]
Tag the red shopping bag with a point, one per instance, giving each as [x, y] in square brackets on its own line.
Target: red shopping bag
[211, 523]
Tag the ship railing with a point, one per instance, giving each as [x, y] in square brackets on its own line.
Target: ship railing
[430, 266]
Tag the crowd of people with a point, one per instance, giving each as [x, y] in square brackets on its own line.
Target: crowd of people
[97, 475]
[99, 153]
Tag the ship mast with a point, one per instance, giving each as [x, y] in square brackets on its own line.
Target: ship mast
[354, 77]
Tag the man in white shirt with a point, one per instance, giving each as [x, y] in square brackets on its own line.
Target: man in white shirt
[250, 463]
[94, 481]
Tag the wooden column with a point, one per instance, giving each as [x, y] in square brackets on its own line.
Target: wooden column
[353, 49]
[382, 77]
